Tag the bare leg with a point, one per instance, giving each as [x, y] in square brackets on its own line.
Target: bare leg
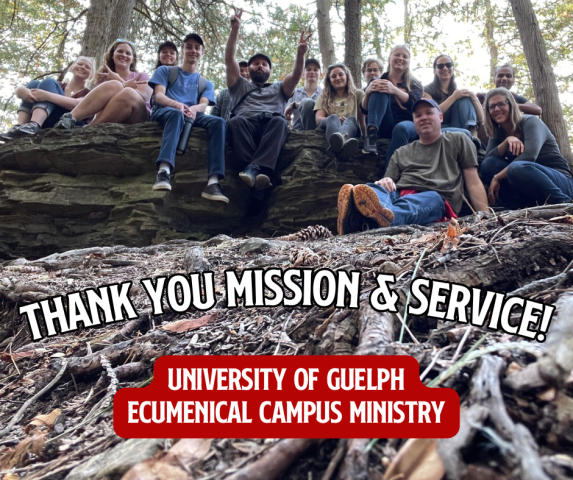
[39, 116]
[97, 99]
[23, 117]
[125, 107]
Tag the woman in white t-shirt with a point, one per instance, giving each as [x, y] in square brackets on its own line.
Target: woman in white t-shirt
[121, 95]
[337, 110]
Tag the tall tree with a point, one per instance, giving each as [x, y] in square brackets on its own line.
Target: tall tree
[541, 71]
[490, 39]
[325, 41]
[407, 22]
[353, 37]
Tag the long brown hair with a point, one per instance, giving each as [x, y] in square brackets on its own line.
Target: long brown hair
[329, 93]
[494, 129]
[407, 76]
[108, 56]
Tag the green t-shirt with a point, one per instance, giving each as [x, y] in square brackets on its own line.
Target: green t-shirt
[343, 107]
[437, 167]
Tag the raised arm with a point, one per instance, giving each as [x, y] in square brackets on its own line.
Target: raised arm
[291, 80]
[233, 70]
[530, 108]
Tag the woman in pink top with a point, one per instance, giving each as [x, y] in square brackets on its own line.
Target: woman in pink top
[121, 95]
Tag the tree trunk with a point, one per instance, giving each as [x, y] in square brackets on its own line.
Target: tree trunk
[377, 34]
[489, 35]
[353, 37]
[541, 71]
[94, 41]
[120, 20]
[324, 36]
[407, 22]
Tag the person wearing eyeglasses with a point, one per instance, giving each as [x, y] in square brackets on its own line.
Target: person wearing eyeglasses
[121, 94]
[461, 107]
[337, 110]
[372, 68]
[167, 54]
[300, 108]
[45, 101]
[523, 165]
[387, 103]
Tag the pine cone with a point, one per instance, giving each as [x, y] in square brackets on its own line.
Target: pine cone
[315, 232]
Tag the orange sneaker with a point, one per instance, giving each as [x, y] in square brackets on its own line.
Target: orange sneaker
[369, 206]
[345, 205]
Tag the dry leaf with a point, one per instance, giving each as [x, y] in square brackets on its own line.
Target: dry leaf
[17, 456]
[173, 465]
[453, 236]
[11, 476]
[44, 420]
[188, 324]
[418, 459]
[564, 219]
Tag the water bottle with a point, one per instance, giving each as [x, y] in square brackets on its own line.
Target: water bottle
[184, 138]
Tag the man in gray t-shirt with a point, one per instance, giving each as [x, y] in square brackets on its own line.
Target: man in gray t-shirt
[424, 183]
[258, 128]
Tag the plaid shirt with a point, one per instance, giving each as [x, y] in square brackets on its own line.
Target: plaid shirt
[223, 107]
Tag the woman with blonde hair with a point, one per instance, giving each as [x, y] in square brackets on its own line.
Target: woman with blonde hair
[523, 165]
[388, 102]
[45, 101]
[337, 110]
[121, 95]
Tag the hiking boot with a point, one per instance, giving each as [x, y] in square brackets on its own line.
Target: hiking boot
[336, 142]
[214, 192]
[68, 122]
[249, 175]
[369, 206]
[371, 142]
[10, 134]
[350, 147]
[349, 218]
[30, 128]
[162, 181]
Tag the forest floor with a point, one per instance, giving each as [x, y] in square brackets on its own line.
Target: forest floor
[516, 394]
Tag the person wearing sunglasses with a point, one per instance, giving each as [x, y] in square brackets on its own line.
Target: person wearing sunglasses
[461, 108]
[388, 102]
[121, 94]
[337, 110]
[523, 165]
[45, 101]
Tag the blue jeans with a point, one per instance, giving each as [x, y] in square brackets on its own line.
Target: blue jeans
[331, 125]
[463, 114]
[528, 183]
[415, 209]
[172, 121]
[54, 111]
[307, 114]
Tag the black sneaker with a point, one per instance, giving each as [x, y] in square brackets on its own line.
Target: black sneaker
[249, 175]
[214, 192]
[10, 134]
[371, 142]
[336, 142]
[262, 182]
[30, 128]
[68, 122]
[350, 147]
[162, 182]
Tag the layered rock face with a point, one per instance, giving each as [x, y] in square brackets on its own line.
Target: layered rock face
[61, 190]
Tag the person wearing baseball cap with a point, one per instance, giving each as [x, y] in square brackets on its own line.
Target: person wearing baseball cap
[425, 180]
[258, 128]
[181, 97]
[167, 54]
[300, 106]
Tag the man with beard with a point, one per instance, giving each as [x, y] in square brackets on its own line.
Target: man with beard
[258, 128]
[425, 180]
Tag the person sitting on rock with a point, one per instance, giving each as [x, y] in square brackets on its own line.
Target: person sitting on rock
[45, 101]
[223, 105]
[372, 68]
[388, 102]
[424, 182]
[523, 165]
[300, 108]
[121, 95]
[167, 54]
[181, 98]
[337, 110]
[461, 108]
[258, 128]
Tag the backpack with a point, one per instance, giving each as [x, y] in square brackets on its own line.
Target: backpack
[172, 78]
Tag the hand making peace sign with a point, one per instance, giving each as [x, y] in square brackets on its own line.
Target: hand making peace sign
[303, 42]
[236, 17]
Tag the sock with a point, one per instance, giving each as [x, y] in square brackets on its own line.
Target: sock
[165, 166]
[212, 179]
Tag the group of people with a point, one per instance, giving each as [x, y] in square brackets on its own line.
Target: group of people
[433, 131]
